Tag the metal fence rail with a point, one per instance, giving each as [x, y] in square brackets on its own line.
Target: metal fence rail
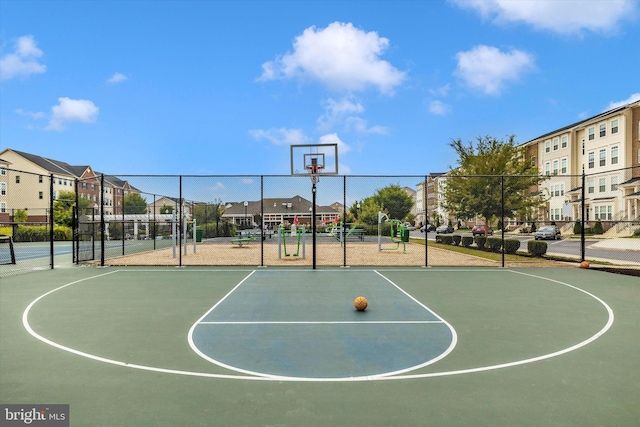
[260, 220]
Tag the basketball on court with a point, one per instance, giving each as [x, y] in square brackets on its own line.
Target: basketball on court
[360, 303]
[584, 264]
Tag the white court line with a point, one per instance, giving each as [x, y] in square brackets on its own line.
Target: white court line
[601, 332]
[328, 322]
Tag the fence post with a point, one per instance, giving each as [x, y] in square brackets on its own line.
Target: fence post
[502, 214]
[425, 201]
[51, 222]
[583, 209]
[102, 223]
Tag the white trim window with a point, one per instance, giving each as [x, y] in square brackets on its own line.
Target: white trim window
[564, 142]
[555, 144]
[547, 168]
[591, 186]
[547, 146]
[602, 156]
[614, 155]
[3, 188]
[555, 167]
[602, 185]
[604, 213]
[614, 183]
[3, 207]
[592, 159]
[603, 130]
[592, 133]
[614, 126]
[563, 165]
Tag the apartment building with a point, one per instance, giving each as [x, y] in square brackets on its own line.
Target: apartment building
[25, 184]
[429, 199]
[606, 148]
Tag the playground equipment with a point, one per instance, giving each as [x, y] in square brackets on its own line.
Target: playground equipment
[299, 233]
[395, 225]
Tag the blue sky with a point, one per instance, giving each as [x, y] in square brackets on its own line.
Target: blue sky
[218, 87]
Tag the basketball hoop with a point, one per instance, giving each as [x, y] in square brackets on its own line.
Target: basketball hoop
[314, 169]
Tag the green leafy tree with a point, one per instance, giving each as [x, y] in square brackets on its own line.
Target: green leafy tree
[63, 207]
[20, 216]
[394, 201]
[474, 186]
[166, 209]
[134, 203]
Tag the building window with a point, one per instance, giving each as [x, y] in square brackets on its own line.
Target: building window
[3, 189]
[533, 160]
[547, 146]
[614, 183]
[602, 187]
[3, 207]
[555, 144]
[564, 142]
[563, 167]
[614, 126]
[40, 195]
[40, 179]
[604, 213]
[603, 130]
[3, 170]
[84, 185]
[93, 186]
[614, 155]
[591, 186]
[555, 167]
[17, 179]
[603, 157]
[59, 181]
[592, 134]
[547, 168]
[592, 160]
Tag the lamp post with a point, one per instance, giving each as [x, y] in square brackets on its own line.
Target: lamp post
[245, 213]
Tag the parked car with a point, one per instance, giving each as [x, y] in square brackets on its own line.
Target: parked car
[479, 230]
[550, 232]
[444, 229]
[408, 226]
[427, 228]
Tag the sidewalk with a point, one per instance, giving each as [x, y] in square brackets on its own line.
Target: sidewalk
[626, 244]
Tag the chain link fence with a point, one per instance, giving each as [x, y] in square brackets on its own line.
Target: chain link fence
[375, 221]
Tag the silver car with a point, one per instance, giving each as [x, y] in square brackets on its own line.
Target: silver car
[548, 232]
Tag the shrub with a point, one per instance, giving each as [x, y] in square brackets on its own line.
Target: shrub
[511, 246]
[537, 248]
[456, 239]
[494, 244]
[597, 228]
[480, 241]
[577, 228]
[438, 238]
[62, 232]
[467, 241]
[447, 240]
[637, 233]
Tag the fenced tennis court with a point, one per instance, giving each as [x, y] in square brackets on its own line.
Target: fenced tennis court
[241, 346]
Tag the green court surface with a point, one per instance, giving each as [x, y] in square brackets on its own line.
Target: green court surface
[285, 347]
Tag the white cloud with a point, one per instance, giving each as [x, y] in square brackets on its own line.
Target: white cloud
[564, 17]
[488, 69]
[332, 138]
[340, 56]
[35, 116]
[615, 104]
[72, 110]
[282, 136]
[439, 108]
[23, 61]
[345, 113]
[117, 78]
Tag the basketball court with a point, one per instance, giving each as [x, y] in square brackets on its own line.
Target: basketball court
[237, 346]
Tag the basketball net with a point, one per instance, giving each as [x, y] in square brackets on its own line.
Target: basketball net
[314, 171]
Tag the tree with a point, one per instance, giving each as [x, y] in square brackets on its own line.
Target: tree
[63, 207]
[475, 186]
[394, 201]
[134, 203]
[20, 216]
